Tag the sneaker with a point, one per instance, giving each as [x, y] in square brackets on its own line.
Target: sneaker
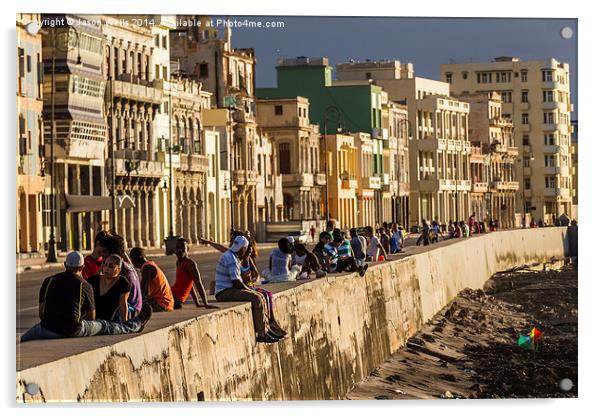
[320, 273]
[274, 335]
[266, 338]
[145, 314]
[276, 330]
[362, 270]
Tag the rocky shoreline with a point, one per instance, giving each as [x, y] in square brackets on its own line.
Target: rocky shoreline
[470, 350]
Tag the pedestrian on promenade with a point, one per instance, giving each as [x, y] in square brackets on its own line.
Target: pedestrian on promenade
[396, 239]
[424, 234]
[154, 285]
[93, 261]
[67, 309]
[111, 290]
[472, 221]
[375, 249]
[312, 232]
[281, 268]
[188, 279]
[229, 287]
[436, 232]
[385, 239]
[330, 228]
[115, 244]
[307, 261]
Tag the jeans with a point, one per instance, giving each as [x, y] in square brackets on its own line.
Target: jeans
[259, 306]
[87, 329]
[347, 264]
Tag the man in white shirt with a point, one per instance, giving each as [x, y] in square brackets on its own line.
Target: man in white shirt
[374, 246]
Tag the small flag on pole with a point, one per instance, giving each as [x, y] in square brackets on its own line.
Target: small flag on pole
[531, 341]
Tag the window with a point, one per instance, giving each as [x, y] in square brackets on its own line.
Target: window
[157, 71]
[96, 181]
[549, 161]
[527, 183]
[526, 140]
[526, 162]
[548, 118]
[523, 76]
[464, 75]
[300, 112]
[203, 70]
[157, 41]
[165, 72]
[547, 75]
[164, 42]
[284, 155]
[550, 182]
[524, 96]
[506, 96]
[28, 60]
[525, 118]
[84, 174]
[448, 77]
[278, 110]
[548, 96]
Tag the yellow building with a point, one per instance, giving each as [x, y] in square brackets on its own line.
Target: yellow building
[342, 179]
[368, 181]
[536, 97]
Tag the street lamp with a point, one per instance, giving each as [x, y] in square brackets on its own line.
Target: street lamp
[51, 256]
[231, 205]
[331, 113]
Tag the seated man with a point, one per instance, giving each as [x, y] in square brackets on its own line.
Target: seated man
[154, 285]
[188, 279]
[318, 250]
[66, 308]
[346, 261]
[331, 255]
[229, 287]
[308, 262]
[93, 261]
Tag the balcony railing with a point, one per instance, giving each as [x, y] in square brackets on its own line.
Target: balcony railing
[479, 187]
[371, 182]
[320, 179]
[194, 163]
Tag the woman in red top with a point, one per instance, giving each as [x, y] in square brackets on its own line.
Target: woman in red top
[93, 261]
[188, 279]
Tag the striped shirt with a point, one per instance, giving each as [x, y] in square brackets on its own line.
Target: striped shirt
[345, 249]
[227, 271]
[331, 251]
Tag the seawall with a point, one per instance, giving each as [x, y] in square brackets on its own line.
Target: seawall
[340, 328]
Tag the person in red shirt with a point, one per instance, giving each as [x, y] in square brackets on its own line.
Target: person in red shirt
[154, 285]
[93, 261]
[187, 276]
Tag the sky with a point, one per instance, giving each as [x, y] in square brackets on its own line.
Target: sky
[426, 42]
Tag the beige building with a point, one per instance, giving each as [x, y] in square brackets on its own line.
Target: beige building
[536, 97]
[297, 144]
[342, 179]
[492, 161]
[367, 181]
[30, 128]
[439, 146]
[575, 168]
[227, 73]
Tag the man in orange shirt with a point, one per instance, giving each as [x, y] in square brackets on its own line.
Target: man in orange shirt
[154, 285]
[188, 279]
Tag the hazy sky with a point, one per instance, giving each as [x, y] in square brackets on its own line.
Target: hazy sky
[427, 42]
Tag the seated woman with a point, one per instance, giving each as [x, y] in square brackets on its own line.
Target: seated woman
[111, 290]
[307, 261]
[281, 268]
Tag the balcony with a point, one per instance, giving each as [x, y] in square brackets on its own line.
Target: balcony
[298, 180]
[505, 186]
[512, 151]
[371, 182]
[319, 179]
[194, 163]
[551, 148]
[550, 85]
[244, 177]
[348, 183]
[243, 117]
[430, 144]
[525, 127]
[479, 187]
[524, 106]
[138, 168]
[557, 192]
[550, 105]
[550, 126]
[131, 88]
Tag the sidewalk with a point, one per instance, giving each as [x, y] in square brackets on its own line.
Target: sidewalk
[39, 262]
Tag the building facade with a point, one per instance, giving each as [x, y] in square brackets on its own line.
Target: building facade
[30, 141]
[492, 160]
[73, 58]
[297, 145]
[536, 97]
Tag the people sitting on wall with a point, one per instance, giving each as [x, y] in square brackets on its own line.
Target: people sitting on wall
[318, 249]
[375, 250]
[229, 287]
[188, 279]
[154, 284]
[358, 245]
[281, 268]
[115, 244]
[93, 261]
[330, 254]
[425, 231]
[346, 261]
[66, 308]
[111, 290]
[308, 262]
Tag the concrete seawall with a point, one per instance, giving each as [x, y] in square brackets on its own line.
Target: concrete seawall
[340, 328]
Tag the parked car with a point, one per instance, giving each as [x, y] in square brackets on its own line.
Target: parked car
[300, 237]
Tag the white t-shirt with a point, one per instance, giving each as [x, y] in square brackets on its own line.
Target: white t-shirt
[300, 260]
[373, 248]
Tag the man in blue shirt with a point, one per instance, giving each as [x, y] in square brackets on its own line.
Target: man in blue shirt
[229, 287]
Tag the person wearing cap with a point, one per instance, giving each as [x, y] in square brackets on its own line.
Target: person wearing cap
[229, 287]
[188, 279]
[67, 309]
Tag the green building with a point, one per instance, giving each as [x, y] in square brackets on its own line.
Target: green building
[351, 106]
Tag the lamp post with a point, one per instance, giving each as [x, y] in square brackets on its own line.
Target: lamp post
[229, 181]
[331, 113]
[51, 256]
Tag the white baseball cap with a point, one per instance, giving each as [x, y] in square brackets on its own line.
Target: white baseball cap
[74, 259]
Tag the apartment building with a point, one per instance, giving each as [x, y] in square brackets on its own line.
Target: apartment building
[492, 160]
[31, 170]
[536, 97]
[367, 181]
